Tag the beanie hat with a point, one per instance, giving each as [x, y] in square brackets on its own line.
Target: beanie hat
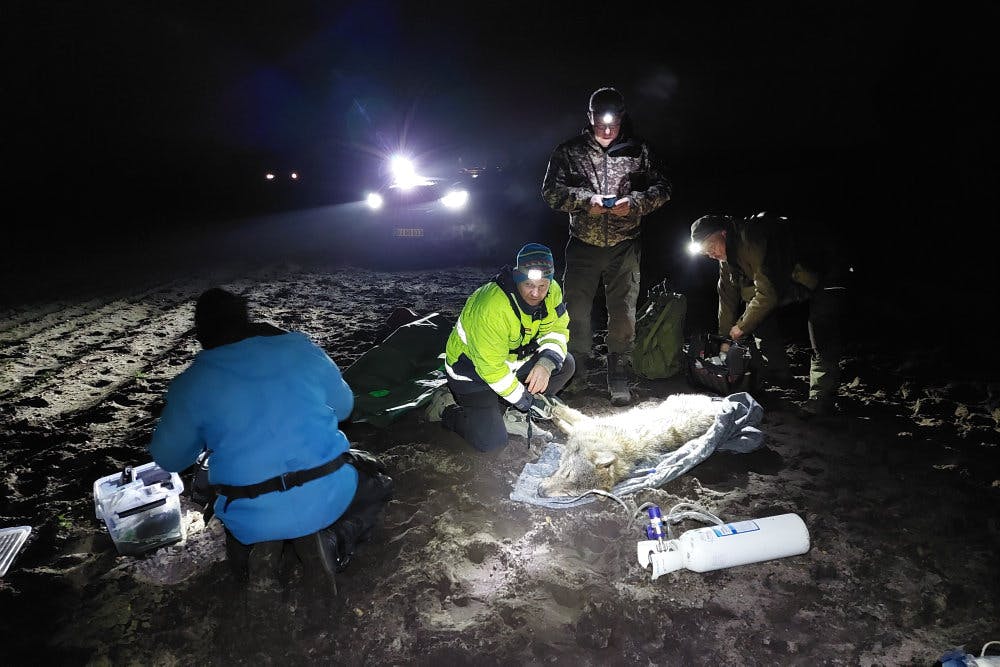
[220, 318]
[707, 225]
[534, 256]
[606, 99]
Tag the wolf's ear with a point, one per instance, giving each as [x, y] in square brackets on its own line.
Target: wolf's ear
[604, 459]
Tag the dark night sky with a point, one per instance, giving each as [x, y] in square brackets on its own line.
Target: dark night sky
[876, 118]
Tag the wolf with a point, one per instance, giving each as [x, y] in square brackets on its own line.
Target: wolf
[602, 451]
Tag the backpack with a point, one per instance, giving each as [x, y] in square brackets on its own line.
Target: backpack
[659, 334]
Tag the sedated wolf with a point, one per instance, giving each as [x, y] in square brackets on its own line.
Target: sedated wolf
[602, 451]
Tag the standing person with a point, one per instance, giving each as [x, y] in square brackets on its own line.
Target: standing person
[606, 179]
[265, 404]
[766, 262]
[509, 344]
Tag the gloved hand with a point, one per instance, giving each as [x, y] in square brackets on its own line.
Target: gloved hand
[541, 407]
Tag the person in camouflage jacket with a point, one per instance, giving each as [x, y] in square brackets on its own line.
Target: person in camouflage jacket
[606, 179]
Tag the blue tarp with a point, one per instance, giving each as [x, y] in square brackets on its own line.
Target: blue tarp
[734, 430]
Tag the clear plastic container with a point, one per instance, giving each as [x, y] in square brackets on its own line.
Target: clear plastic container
[141, 508]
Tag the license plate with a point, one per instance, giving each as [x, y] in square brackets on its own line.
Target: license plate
[408, 232]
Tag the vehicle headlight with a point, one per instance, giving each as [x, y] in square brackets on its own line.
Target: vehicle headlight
[456, 199]
[374, 201]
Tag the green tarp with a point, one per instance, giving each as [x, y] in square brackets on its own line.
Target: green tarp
[401, 372]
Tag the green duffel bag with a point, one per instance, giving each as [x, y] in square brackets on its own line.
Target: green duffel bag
[659, 334]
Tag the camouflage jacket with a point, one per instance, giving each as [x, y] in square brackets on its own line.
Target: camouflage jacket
[581, 168]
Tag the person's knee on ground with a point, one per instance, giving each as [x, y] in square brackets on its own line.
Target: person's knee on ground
[580, 380]
[254, 562]
[563, 376]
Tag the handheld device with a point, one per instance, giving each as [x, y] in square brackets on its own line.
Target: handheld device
[609, 201]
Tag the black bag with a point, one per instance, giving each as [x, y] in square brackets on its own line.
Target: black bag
[706, 370]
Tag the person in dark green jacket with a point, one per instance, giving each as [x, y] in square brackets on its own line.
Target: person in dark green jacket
[606, 179]
[766, 262]
[508, 346]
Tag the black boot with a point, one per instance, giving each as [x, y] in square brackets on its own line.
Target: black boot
[578, 383]
[618, 380]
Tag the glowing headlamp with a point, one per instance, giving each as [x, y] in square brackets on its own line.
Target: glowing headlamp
[608, 118]
[534, 274]
[695, 248]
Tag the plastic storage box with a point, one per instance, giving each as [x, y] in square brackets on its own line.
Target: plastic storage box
[141, 508]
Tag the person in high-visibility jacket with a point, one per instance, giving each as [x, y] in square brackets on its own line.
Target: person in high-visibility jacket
[508, 346]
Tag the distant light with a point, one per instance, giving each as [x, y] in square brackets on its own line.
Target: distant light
[475, 175]
[269, 176]
[534, 274]
[374, 201]
[695, 248]
[294, 175]
[455, 199]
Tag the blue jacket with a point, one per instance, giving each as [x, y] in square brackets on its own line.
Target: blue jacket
[264, 406]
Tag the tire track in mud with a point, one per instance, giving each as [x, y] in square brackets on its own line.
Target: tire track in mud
[91, 353]
[51, 341]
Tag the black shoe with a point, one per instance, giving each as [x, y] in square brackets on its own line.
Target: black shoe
[618, 380]
[318, 555]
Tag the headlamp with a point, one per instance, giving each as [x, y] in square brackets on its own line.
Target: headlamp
[695, 248]
[607, 118]
[534, 274]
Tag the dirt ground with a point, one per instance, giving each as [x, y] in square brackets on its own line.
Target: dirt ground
[899, 493]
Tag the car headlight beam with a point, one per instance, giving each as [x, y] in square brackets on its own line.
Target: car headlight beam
[456, 199]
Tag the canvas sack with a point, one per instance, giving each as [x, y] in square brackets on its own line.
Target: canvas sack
[659, 334]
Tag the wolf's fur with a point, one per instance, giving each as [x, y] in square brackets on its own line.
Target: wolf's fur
[602, 451]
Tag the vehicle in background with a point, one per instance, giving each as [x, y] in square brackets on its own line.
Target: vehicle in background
[445, 210]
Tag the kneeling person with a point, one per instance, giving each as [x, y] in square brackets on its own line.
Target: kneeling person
[508, 345]
[266, 403]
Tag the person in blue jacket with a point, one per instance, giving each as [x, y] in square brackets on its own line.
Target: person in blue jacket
[265, 404]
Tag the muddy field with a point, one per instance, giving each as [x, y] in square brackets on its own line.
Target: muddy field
[899, 495]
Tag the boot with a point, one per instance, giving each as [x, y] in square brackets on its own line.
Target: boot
[317, 552]
[578, 383]
[618, 380]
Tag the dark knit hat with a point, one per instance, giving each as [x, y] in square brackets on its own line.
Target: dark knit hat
[707, 225]
[606, 100]
[534, 256]
[220, 318]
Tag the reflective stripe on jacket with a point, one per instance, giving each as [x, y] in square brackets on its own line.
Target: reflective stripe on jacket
[482, 347]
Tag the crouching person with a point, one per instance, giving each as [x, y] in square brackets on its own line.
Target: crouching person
[266, 403]
[508, 345]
